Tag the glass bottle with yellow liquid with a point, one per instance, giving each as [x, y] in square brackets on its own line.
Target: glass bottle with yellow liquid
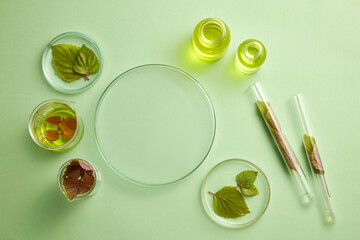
[211, 38]
[250, 55]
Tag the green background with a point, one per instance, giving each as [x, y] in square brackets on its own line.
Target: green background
[313, 48]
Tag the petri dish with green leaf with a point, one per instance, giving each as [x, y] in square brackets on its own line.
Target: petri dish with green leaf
[154, 125]
[235, 193]
[72, 62]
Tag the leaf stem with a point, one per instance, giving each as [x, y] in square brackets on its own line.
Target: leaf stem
[327, 190]
[215, 195]
[86, 74]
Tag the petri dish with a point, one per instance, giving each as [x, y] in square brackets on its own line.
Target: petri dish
[154, 125]
[79, 85]
[224, 174]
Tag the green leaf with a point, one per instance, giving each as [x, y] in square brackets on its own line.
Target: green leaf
[262, 107]
[309, 143]
[313, 154]
[252, 191]
[246, 179]
[86, 62]
[229, 203]
[269, 115]
[63, 60]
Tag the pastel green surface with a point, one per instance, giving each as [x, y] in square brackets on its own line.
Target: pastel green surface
[312, 48]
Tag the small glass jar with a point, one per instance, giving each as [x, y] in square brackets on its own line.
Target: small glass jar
[250, 55]
[86, 166]
[211, 38]
[59, 134]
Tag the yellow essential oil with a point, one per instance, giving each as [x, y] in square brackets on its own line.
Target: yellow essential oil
[65, 112]
[56, 125]
[211, 38]
[250, 55]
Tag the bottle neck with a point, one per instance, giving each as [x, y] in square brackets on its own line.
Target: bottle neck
[253, 51]
[212, 32]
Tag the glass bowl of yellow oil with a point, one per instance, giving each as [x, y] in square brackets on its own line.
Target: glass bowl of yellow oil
[56, 125]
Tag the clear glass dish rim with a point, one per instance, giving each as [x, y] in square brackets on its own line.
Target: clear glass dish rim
[118, 78]
[215, 217]
[78, 123]
[48, 79]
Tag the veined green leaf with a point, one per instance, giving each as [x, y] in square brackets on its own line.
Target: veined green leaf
[313, 154]
[269, 115]
[246, 178]
[309, 142]
[252, 191]
[229, 203]
[63, 61]
[314, 157]
[262, 107]
[86, 62]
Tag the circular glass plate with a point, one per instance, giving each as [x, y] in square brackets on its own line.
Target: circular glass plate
[224, 174]
[154, 125]
[54, 79]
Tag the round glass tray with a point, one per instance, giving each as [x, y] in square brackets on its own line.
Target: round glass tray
[154, 125]
[224, 174]
[54, 79]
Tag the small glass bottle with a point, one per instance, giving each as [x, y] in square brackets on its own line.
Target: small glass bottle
[250, 55]
[211, 38]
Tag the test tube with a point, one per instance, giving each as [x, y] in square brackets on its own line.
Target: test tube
[313, 156]
[282, 144]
